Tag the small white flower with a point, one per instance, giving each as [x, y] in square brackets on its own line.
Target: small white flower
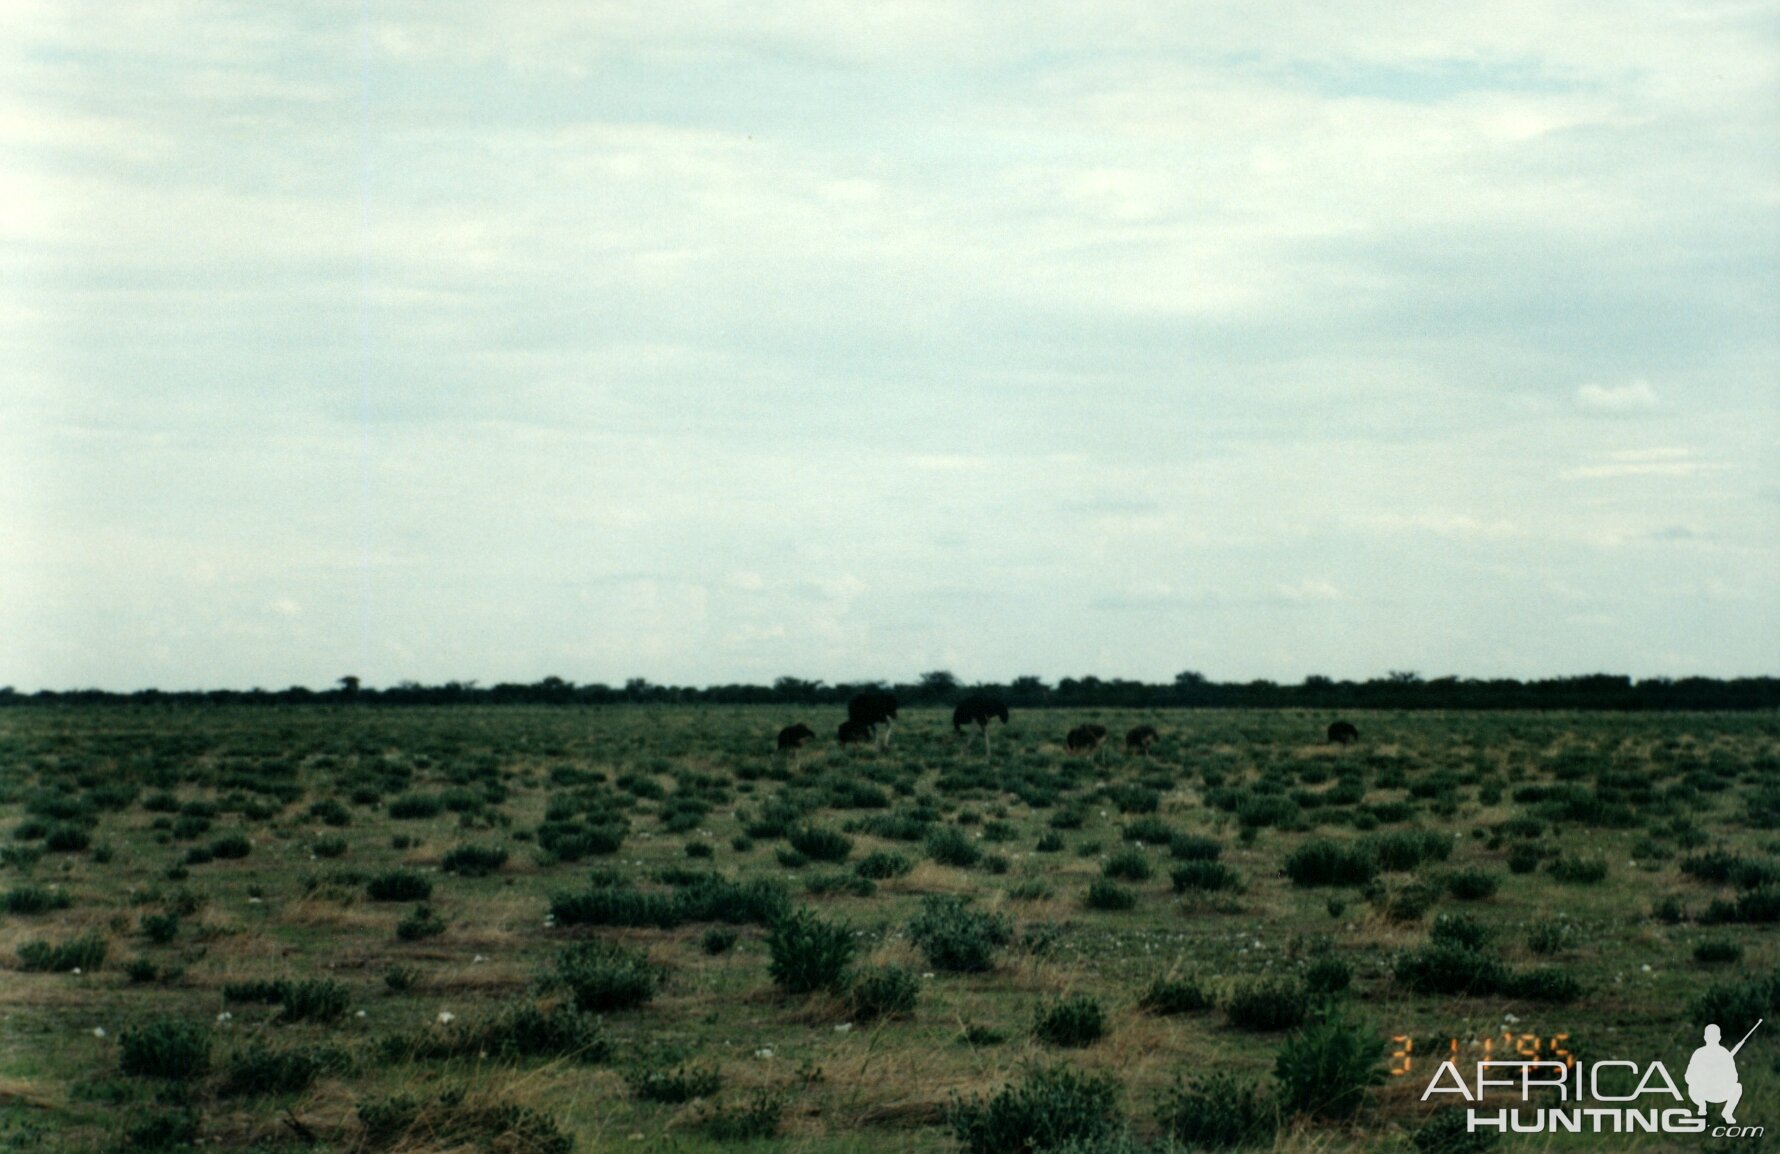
[1510, 1018]
[75, 970]
[224, 1018]
[764, 1052]
[360, 1014]
[844, 1028]
[253, 901]
[477, 958]
[98, 1031]
[926, 975]
[1645, 968]
[446, 1017]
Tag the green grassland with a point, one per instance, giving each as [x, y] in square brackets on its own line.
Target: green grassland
[643, 929]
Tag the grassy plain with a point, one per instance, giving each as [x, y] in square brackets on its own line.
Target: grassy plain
[1560, 838]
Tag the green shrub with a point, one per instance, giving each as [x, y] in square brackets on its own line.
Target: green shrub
[67, 839]
[1717, 952]
[1042, 1112]
[330, 846]
[1190, 847]
[604, 976]
[1076, 1020]
[1106, 894]
[260, 1069]
[1545, 984]
[809, 953]
[717, 940]
[1736, 1006]
[170, 1048]
[1219, 1111]
[949, 845]
[260, 991]
[885, 992]
[1328, 975]
[399, 886]
[518, 1030]
[1204, 876]
[314, 1000]
[821, 844]
[1149, 831]
[1459, 930]
[1325, 862]
[1325, 1070]
[1129, 864]
[415, 806]
[1450, 970]
[474, 861]
[1524, 858]
[1167, 996]
[1405, 849]
[1472, 885]
[84, 953]
[231, 847]
[35, 900]
[1049, 843]
[883, 865]
[421, 922]
[1574, 869]
[1266, 1004]
[676, 1086]
[957, 938]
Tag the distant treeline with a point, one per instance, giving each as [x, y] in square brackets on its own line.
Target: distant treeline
[1397, 690]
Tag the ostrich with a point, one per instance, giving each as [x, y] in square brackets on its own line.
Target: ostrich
[1140, 739]
[792, 737]
[852, 733]
[1085, 738]
[1342, 732]
[979, 709]
[872, 709]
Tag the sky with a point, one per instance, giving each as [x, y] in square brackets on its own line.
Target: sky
[711, 342]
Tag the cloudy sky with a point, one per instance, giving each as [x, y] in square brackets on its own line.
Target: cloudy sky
[706, 341]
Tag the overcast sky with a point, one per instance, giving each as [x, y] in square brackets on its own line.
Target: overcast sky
[705, 341]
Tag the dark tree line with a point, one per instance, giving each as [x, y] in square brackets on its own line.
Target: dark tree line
[1396, 690]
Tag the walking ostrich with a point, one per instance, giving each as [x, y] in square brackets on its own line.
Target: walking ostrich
[979, 709]
[1342, 732]
[1140, 739]
[1084, 738]
[872, 709]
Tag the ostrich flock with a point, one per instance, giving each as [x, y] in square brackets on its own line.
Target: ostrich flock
[871, 716]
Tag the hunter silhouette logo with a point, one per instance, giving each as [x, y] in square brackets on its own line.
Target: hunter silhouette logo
[1610, 1096]
[1712, 1073]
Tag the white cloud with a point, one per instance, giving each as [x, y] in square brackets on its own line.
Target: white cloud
[1636, 397]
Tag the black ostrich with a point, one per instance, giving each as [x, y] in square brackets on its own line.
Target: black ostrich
[792, 737]
[1140, 739]
[872, 709]
[1085, 738]
[852, 733]
[979, 709]
[1342, 733]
